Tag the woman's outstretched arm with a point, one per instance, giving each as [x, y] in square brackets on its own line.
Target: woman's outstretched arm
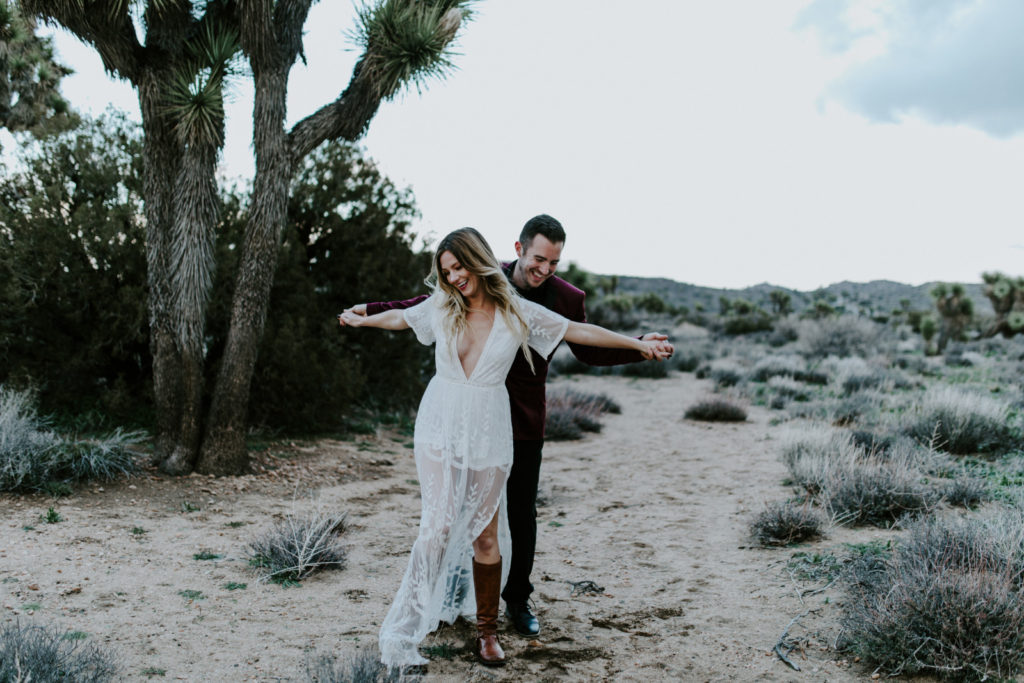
[592, 335]
[388, 320]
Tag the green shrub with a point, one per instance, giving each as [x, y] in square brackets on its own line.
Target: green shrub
[776, 366]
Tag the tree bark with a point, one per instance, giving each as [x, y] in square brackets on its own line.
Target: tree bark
[160, 157]
[223, 450]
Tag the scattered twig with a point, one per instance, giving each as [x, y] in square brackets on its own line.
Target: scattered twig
[789, 647]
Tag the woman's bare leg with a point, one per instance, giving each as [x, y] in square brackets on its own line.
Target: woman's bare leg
[485, 547]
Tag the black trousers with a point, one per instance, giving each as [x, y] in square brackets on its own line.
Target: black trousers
[521, 491]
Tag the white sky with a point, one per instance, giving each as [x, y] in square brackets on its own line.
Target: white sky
[720, 143]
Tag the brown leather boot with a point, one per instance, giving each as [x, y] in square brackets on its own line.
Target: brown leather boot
[487, 582]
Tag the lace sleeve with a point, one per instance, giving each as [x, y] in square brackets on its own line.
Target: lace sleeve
[546, 327]
[421, 319]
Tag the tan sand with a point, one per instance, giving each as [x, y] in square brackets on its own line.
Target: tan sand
[654, 512]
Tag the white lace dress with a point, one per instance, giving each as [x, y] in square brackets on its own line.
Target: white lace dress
[463, 449]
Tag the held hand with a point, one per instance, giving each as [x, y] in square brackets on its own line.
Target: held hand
[348, 318]
[358, 309]
[649, 350]
[654, 336]
[664, 351]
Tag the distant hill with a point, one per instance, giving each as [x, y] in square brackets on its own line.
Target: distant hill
[877, 296]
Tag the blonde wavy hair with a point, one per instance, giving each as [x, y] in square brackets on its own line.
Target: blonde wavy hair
[471, 250]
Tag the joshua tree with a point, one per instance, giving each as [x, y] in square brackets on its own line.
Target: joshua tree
[190, 48]
[1007, 297]
[29, 75]
[955, 309]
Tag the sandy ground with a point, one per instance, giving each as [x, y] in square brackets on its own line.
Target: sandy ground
[654, 512]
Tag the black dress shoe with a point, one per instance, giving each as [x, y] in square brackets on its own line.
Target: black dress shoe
[523, 620]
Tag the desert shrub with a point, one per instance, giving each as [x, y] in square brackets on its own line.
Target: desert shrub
[786, 330]
[850, 409]
[570, 413]
[32, 456]
[871, 442]
[686, 362]
[790, 388]
[785, 524]
[877, 491]
[755, 321]
[842, 337]
[947, 601]
[818, 377]
[298, 546]
[45, 654]
[776, 366]
[777, 402]
[725, 373]
[966, 492]
[962, 422]
[809, 454]
[716, 410]
[361, 667]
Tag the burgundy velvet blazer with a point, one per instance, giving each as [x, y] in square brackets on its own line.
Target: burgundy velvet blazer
[526, 389]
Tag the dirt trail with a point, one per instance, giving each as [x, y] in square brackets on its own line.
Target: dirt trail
[653, 513]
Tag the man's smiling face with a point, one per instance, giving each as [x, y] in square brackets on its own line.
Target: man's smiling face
[537, 261]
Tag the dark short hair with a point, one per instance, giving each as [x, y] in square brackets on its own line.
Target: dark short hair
[542, 225]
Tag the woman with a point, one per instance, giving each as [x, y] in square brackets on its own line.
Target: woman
[463, 439]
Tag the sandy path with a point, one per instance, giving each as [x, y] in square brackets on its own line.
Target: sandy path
[654, 511]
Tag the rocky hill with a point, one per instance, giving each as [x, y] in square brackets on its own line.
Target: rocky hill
[875, 297]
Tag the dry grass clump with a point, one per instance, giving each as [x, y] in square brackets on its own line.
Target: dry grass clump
[299, 546]
[724, 373]
[789, 388]
[44, 653]
[962, 422]
[776, 366]
[571, 412]
[876, 491]
[786, 523]
[716, 410]
[966, 492]
[946, 602]
[32, 456]
[362, 667]
[855, 485]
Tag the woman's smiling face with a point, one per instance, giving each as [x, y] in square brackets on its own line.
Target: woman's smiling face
[457, 276]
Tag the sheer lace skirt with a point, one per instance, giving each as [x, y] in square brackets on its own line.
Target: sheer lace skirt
[457, 505]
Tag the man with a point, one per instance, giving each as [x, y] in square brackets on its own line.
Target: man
[539, 251]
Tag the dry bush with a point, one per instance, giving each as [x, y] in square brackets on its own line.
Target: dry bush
[843, 336]
[946, 602]
[298, 546]
[716, 410]
[966, 492]
[776, 366]
[854, 485]
[789, 388]
[786, 523]
[876, 491]
[962, 422]
[41, 654]
[571, 412]
[33, 456]
[360, 667]
[810, 454]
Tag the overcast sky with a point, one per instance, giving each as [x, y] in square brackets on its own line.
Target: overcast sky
[721, 143]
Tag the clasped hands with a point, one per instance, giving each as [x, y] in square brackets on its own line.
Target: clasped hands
[658, 347]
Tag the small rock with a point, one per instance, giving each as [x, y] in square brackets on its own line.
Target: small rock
[33, 586]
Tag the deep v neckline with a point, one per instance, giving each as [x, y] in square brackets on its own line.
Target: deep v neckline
[483, 350]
